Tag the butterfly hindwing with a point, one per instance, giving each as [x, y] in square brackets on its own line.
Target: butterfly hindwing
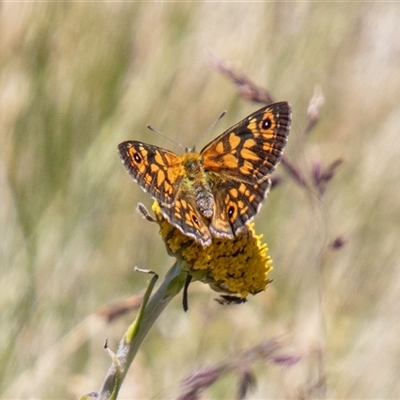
[185, 215]
[237, 204]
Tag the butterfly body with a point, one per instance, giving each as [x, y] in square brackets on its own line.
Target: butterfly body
[196, 183]
[215, 192]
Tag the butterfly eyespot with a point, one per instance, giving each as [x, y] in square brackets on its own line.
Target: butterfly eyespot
[266, 124]
[137, 157]
[231, 211]
[195, 220]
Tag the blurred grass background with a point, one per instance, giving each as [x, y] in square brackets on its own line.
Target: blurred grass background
[78, 78]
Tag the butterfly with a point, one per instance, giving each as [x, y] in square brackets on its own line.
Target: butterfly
[213, 193]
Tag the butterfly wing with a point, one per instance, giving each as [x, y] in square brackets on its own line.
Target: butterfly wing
[184, 215]
[236, 205]
[239, 162]
[156, 170]
[159, 172]
[250, 150]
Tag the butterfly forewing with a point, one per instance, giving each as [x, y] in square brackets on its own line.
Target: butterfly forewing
[250, 150]
[156, 170]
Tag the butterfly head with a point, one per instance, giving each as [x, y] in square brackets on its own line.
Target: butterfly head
[191, 163]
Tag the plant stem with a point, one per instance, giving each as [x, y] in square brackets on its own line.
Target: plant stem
[136, 333]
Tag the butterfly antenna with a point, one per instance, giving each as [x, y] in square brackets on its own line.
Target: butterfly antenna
[209, 128]
[165, 136]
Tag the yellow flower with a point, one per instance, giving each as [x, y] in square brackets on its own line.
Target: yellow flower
[233, 266]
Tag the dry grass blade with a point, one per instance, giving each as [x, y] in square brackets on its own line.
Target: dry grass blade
[194, 385]
[322, 176]
[199, 381]
[338, 243]
[245, 87]
[314, 109]
[124, 307]
[293, 171]
[247, 381]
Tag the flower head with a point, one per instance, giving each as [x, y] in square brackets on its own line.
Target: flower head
[233, 266]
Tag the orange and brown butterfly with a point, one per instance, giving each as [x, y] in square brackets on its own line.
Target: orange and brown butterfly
[214, 193]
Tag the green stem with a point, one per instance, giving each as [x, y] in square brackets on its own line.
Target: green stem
[136, 333]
